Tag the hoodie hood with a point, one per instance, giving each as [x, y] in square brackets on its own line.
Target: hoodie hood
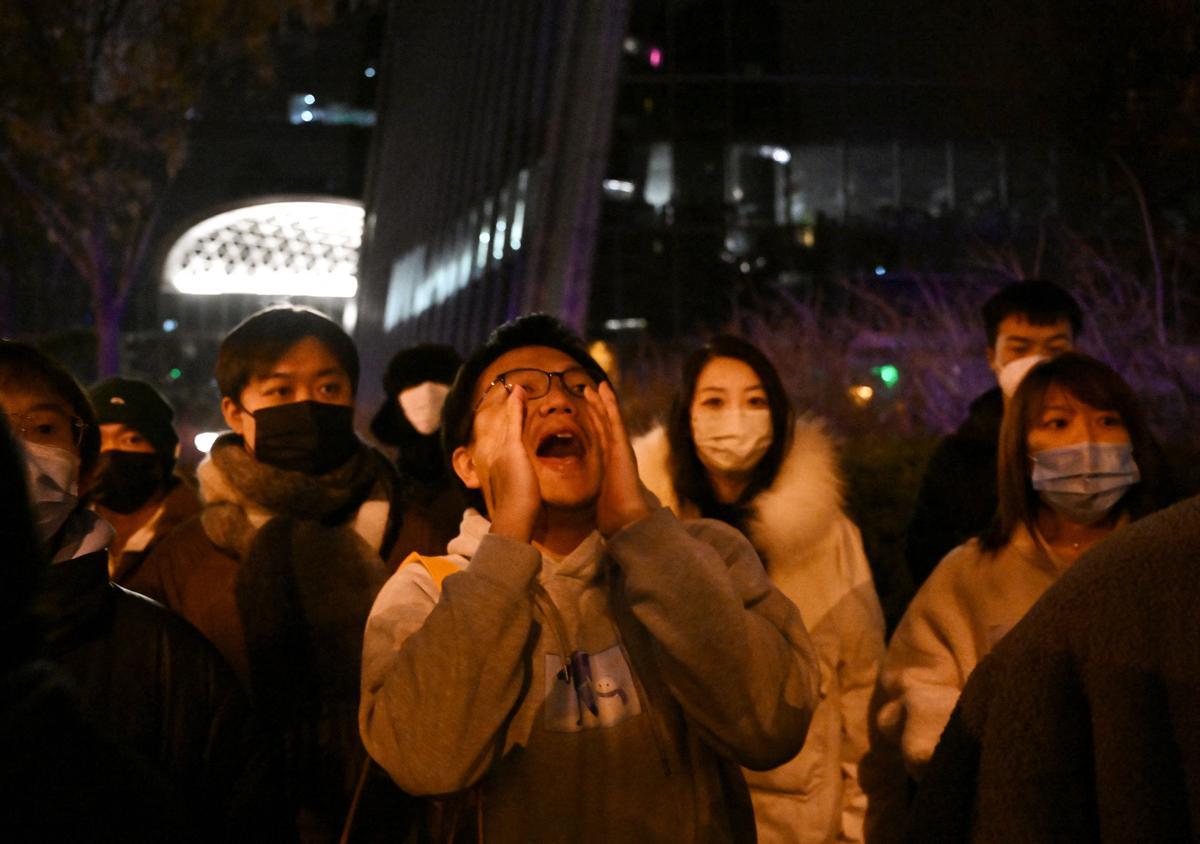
[788, 518]
[582, 563]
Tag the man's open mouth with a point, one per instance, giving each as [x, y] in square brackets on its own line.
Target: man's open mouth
[560, 445]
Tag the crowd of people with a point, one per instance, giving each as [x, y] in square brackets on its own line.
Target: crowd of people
[524, 624]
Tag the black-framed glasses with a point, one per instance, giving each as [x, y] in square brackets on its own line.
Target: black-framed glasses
[48, 426]
[536, 382]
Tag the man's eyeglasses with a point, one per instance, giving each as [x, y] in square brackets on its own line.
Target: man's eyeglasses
[48, 426]
[536, 382]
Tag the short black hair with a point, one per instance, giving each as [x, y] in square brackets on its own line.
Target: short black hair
[1041, 302]
[538, 329]
[261, 339]
[22, 364]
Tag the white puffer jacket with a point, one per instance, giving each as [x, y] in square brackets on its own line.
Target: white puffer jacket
[814, 555]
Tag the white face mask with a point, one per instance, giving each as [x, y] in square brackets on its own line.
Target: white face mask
[1014, 372]
[731, 440]
[422, 405]
[53, 476]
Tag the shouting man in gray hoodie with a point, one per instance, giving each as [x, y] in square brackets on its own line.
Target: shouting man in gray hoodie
[588, 666]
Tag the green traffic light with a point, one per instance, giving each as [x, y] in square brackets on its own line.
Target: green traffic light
[175, 373]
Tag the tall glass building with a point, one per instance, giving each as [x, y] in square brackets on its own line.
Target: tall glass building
[648, 166]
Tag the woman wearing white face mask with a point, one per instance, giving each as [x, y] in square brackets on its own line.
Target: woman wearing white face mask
[734, 451]
[1076, 461]
[409, 420]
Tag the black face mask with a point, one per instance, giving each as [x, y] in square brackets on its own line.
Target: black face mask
[313, 437]
[128, 479]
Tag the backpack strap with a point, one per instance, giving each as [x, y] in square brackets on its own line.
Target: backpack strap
[439, 568]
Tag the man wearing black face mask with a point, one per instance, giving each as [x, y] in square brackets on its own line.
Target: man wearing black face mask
[136, 491]
[281, 566]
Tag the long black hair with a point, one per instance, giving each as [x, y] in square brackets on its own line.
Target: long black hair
[688, 475]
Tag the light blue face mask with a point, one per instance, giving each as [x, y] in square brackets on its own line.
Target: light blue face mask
[1084, 481]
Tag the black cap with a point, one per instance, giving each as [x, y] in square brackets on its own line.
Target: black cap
[127, 401]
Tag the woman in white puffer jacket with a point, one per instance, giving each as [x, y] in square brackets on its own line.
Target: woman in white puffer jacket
[733, 451]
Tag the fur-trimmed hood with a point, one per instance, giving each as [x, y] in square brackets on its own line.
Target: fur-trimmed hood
[792, 516]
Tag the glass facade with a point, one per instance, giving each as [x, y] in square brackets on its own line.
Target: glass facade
[777, 145]
[662, 162]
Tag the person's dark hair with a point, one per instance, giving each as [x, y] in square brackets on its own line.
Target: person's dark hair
[261, 339]
[688, 475]
[458, 413]
[26, 367]
[19, 628]
[1092, 383]
[1039, 301]
[408, 368]
[538, 329]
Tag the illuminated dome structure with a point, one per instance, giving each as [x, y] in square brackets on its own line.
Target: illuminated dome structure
[297, 247]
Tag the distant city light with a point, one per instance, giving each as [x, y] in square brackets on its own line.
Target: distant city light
[204, 441]
[656, 57]
[880, 269]
[498, 242]
[861, 394]
[888, 374]
[777, 154]
[169, 325]
[631, 45]
[627, 324]
[369, 73]
[309, 99]
[619, 187]
[603, 354]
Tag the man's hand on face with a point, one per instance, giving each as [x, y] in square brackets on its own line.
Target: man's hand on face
[512, 484]
[623, 498]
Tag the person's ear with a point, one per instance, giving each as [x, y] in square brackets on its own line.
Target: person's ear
[234, 415]
[463, 462]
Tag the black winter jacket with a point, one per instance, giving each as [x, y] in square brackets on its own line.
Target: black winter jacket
[957, 498]
[1081, 725]
[161, 689]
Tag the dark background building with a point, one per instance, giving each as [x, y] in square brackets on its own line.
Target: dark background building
[748, 151]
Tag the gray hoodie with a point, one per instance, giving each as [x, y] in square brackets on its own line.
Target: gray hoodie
[609, 695]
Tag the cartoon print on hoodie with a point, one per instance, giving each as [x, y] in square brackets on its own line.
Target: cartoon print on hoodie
[589, 691]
